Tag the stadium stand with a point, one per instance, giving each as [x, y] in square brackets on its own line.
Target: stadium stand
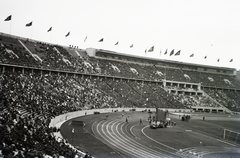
[40, 81]
[229, 99]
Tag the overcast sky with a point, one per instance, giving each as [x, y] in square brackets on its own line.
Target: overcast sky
[204, 28]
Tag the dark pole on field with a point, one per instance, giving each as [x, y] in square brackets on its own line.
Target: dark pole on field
[141, 94]
[72, 134]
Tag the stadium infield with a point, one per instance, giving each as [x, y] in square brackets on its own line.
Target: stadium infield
[109, 135]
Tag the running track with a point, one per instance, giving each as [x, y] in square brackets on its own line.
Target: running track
[119, 135]
[134, 140]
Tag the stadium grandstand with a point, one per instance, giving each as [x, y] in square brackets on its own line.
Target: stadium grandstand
[40, 81]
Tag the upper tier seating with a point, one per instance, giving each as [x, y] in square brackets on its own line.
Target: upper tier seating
[42, 55]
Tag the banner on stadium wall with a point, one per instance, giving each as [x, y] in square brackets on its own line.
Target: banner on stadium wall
[161, 115]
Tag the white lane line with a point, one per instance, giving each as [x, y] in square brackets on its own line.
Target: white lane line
[176, 154]
[120, 145]
[182, 150]
[128, 143]
[110, 141]
[123, 146]
[133, 133]
[155, 140]
[143, 150]
[201, 151]
[132, 143]
[121, 140]
[225, 142]
[105, 139]
[145, 147]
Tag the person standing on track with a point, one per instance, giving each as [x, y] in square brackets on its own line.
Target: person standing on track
[126, 120]
[150, 121]
[141, 121]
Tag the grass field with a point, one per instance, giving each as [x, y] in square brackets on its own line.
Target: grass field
[108, 135]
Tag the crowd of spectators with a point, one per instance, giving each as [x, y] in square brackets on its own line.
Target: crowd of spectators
[229, 99]
[195, 100]
[11, 52]
[29, 101]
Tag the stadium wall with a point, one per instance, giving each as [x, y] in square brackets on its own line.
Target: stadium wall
[70, 115]
[91, 52]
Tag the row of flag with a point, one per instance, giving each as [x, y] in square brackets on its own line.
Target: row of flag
[192, 55]
[151, 49]
[9, 18]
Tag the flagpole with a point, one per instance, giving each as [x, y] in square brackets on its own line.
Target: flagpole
[118, 48]
[103, 45]
[69, 41]
[146, 49]
[10, 27]
[84, 41]
[51, 37]
[31, 31]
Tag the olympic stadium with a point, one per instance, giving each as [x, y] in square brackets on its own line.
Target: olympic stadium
[59, 101]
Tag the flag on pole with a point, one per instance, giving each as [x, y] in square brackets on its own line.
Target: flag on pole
[178, 53]
[73, 130]
[29, 24]
[191, 55]
[50, 29]
[165, 52]
[67, 34]
[231, 60]
[85, 39]
[8, 18]
[151, 49]
[116, 43]
[131, 46]
[101, 40]
[172, 52]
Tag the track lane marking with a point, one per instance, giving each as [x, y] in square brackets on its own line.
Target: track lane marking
[155, 140]
[135, 150]
[170, 154]
[133, 133]
[139, 149]
[145, 147]
[225, 142]
[104, 139]
[121, 144]
[101, 127]
[107, 138]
